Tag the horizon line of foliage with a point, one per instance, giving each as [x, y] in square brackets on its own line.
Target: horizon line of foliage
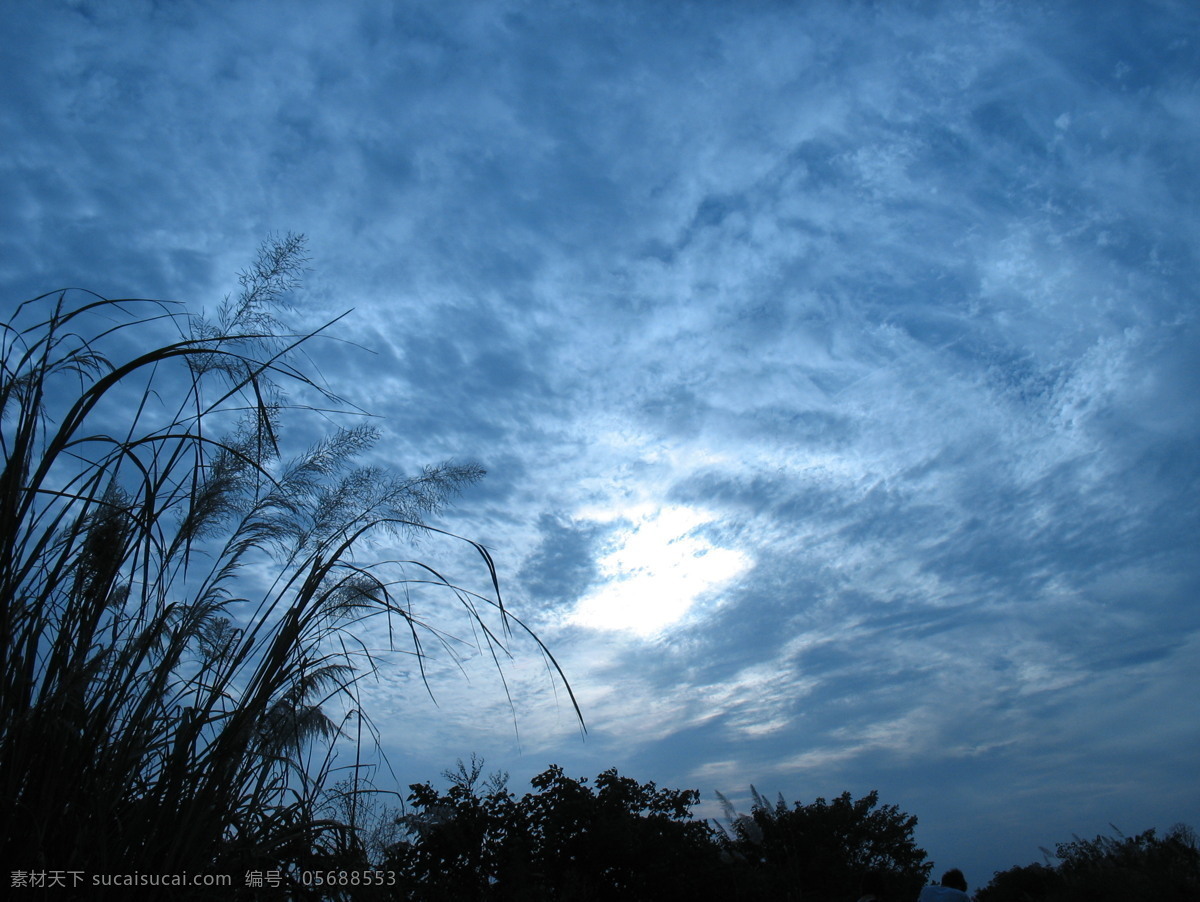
[620, 839]
[179, 599]
[1107, 869]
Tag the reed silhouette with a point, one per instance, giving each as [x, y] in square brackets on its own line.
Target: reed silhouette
[180, 599]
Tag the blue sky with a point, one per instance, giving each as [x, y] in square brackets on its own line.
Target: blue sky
[835, 365]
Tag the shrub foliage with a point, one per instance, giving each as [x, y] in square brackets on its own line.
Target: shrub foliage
[825, 849]
[620, 839]
[614, 839]
[1118, 868]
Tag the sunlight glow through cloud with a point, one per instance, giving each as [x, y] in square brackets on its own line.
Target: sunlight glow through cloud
[658, 571]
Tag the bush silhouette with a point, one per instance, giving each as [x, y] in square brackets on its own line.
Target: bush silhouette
[1146, 866]
[614, 839]
[823, 850]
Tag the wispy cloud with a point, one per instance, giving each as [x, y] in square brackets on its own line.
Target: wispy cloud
[834, 368]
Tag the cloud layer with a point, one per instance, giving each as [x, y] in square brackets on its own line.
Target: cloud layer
[834, 365]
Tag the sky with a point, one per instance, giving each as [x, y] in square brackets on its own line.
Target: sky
[835, 365]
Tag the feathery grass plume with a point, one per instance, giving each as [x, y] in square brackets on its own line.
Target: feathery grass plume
[158, 704]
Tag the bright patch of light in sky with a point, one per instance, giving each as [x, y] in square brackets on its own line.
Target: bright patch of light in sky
[659, 569]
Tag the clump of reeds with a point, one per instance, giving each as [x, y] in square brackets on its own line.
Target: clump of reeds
[176, 595]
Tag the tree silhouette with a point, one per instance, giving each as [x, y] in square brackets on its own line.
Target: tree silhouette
[615, 839]
[824, 850]
[1145, 866]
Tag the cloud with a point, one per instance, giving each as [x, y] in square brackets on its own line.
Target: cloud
[849, 356]
[658, 570]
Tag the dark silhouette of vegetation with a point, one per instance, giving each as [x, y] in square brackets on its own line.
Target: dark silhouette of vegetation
[614, 839]
[823, 850]
[1120, 869]
[179, 598]
[620, 839]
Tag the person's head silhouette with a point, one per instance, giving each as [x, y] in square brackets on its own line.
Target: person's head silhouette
[954, 879]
